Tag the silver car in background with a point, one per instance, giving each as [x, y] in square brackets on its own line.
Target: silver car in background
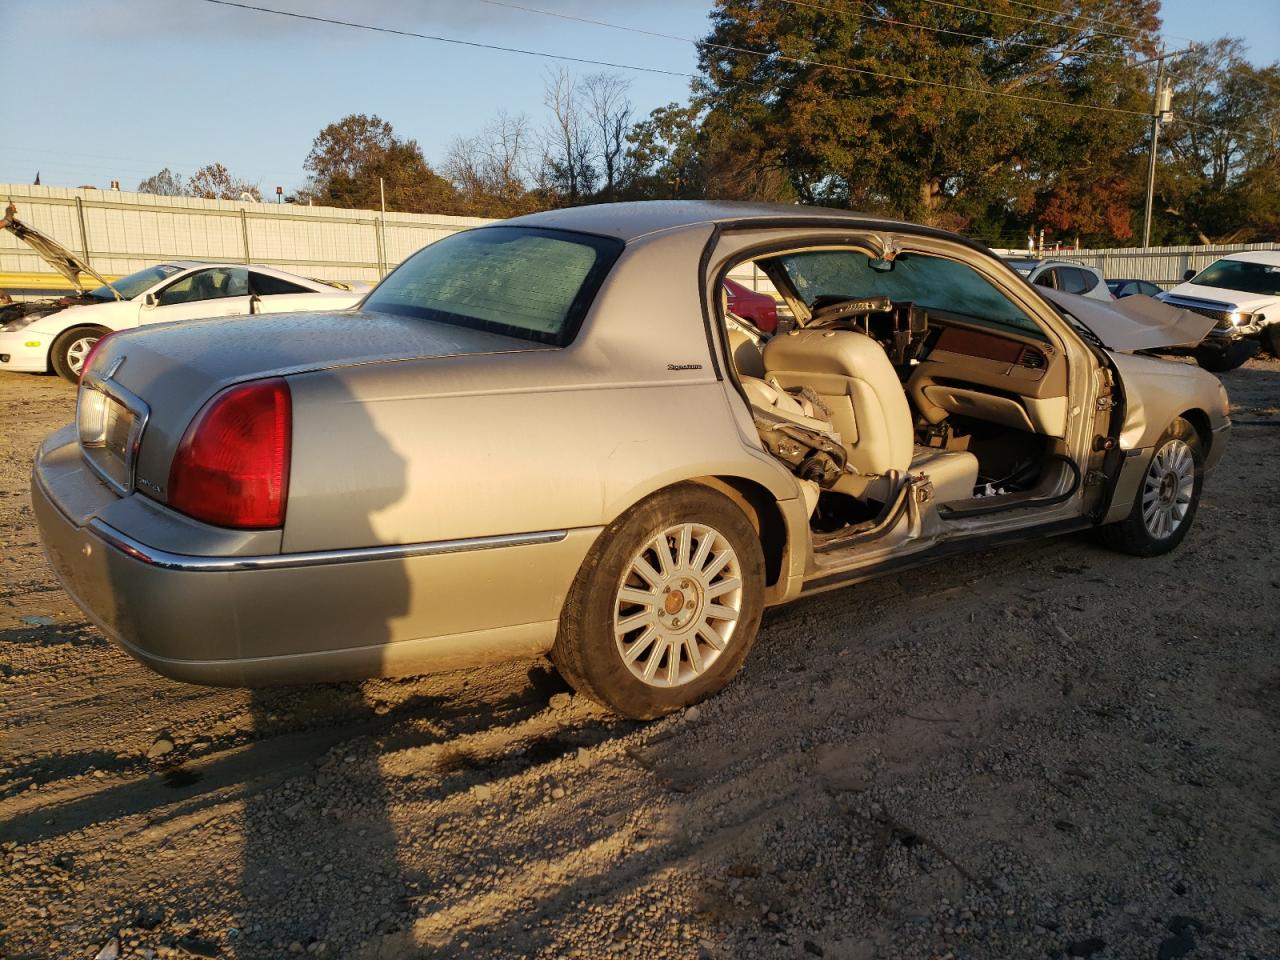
[549, 436]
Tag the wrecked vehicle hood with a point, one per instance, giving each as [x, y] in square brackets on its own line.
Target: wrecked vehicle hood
[1134, 323]
[52, 252]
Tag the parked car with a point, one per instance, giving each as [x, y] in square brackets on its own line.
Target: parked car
[537, 437]
[760, 308]
[1241, 293]
[58, 333]
[1133, 287]
[1065, 275]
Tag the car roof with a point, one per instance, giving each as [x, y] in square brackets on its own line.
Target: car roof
[630, 221]
[261, 268]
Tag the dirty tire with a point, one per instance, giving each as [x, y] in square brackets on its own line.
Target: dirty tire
[590, 644]
[1134, 534]
[1271, 339]
[70, 348]
[1223, 361]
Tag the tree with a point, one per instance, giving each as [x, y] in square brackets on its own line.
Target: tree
[166, 183]
[1219, 177]
[489, 170]
[567, 169]
[215, 182]
[826, 108]
[348, 158]
[609, 116]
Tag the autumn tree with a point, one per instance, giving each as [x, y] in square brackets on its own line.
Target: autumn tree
[908, 108]
[166, 183]
[350, 157]
[215, 182]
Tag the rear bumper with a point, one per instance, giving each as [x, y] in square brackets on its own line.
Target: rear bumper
[18, 355]
[281, 619]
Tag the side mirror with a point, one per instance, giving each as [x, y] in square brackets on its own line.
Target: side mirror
[150, 300]
[1188, 275]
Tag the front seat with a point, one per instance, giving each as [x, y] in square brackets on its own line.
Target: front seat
[853, 376]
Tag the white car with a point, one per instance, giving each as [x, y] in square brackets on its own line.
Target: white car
[1242, 293]
[37, 340]
[1065, 275]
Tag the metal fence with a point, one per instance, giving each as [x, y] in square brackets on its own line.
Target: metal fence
[118, 233]
[1162, 265]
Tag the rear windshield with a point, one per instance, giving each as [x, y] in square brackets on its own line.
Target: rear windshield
[519, 281]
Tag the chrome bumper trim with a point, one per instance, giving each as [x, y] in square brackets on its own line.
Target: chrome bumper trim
[179, 561]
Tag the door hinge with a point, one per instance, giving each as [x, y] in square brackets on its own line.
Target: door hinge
[1105, 403]
[1104, 443]
[1094, 477]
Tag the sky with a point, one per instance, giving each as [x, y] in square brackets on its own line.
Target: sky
[97, 91]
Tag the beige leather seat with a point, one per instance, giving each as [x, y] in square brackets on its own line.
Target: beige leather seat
[856, 381]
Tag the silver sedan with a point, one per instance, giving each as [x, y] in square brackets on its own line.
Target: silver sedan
[550, 436]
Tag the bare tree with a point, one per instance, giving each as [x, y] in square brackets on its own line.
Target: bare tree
[490, 169]
[215, 182]
[568, 169]
[609, 116]
[166, 183]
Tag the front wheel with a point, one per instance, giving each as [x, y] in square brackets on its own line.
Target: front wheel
[1167, 499]
[666, 605]
[71, 349]
[1271, 338]
[1227, 358]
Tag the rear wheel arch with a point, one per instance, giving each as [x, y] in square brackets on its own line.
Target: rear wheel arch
[761, 507]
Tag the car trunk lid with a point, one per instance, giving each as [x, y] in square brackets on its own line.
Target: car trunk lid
[158, 378]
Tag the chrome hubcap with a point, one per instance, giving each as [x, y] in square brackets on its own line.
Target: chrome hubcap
[1166, 492]
[678, 605]
[78, 351]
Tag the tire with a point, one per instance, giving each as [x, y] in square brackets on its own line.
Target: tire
[69, 350]
[1167, 499]
[1224, 360]
[1271, 338]
[684, 623]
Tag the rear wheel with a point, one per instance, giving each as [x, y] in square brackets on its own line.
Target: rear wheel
[71, 348]
[1168, 496]
[666, 605]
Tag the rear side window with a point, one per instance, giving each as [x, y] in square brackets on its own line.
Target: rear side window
[265, 285]
[1075, 280]
[519, 281]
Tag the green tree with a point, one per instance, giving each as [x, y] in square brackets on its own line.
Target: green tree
[347, 159]
[824, 108]
[1219, 177]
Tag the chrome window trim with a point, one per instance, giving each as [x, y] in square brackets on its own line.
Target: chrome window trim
[155, 557]
[131, 402]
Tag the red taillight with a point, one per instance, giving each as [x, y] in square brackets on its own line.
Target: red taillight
[232, 467]
[88, 357]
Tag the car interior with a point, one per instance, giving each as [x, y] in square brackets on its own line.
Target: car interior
[896, 368]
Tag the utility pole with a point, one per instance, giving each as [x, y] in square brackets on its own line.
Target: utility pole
[382, 193]
[1161, 112]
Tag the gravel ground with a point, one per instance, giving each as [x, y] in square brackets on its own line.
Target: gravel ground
[1043, 751]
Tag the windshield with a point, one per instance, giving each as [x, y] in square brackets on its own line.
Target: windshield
[522, 282]
[135, 283]
[939, 285]
[1242, 275]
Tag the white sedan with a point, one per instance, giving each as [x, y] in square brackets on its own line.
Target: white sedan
[37, 340]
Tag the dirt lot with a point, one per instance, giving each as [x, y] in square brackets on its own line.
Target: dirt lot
[1045, 751]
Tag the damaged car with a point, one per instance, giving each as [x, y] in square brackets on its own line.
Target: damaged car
[58, 333]
[549, 437]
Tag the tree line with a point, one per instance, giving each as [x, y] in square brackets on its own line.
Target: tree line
[994, 121]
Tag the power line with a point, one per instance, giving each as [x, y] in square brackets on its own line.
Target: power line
[801, 61]
[475, 44]
[1042, 23]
